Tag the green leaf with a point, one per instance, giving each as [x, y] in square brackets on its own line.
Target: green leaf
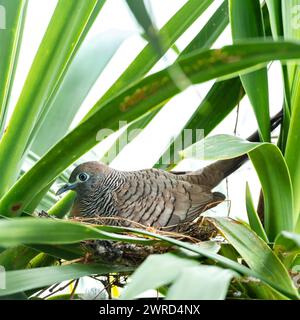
[145, 95]
[24, 231]
[140, 13]
[275, 13]
[210, 32]
[16, 257]
[296, 264]
[146, 278]
[271, 169]
[64, 251]
[292, 153]
[290, 14]
[16, 296]
[217, 104]
[249, 288]
[256, 253]
[88, 63]
[220, 147]
[10, 39]
[288, 241]
[253, 217]
[56, 50]
[221, 260]
[41, 260]
[290, 19]
[287, 248]
[274, 8]
[148, 57]
[22, 280]
[279, 211]
[247, 23]
[201, 283]
[63, 206]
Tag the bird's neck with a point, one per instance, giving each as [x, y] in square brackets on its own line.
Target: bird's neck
[113, 181]
[100, 199]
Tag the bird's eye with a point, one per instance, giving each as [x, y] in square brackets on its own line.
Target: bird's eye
[83, 176]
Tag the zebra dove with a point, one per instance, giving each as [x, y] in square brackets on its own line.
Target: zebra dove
[149, 197]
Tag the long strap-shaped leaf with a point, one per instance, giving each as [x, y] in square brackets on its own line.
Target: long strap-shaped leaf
[146, 277]
[61, 40]
[255, 252]
[246, 23]
[13, 17]
[253, 217]
[291, 30]
[87, 65]
[23, 230]
[290, 12]
[210, 32]
[23, 280]
[271, 169]
[203, 282]
[148, 57]
[274, 8]
[135, 101]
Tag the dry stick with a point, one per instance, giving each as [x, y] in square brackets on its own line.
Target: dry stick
[59, 289]
[51, 288]
[45, 289]
[103, 283]
[106, 287]
[95, 221]
[115, 282]
[74, 289]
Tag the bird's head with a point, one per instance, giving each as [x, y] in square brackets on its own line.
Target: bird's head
[85, 177]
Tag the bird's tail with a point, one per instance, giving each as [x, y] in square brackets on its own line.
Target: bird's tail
[214, 173]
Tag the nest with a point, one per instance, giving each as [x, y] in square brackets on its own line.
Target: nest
[131, 254]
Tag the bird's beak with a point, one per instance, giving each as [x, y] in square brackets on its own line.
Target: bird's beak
[66, 187]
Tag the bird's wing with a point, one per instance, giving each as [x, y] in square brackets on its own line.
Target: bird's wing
[156, 198]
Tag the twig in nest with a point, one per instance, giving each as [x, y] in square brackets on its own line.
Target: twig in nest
[186, 230]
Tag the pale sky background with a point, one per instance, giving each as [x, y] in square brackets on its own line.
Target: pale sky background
[144, 150]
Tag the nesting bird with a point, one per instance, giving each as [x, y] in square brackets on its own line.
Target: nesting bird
[149, 197]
